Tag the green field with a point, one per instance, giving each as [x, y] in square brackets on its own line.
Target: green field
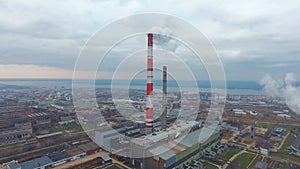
[230, 152]
[286, 156]
[288, 142]
[283, 152]
[263, 125]
[244, 159]
[209, 166]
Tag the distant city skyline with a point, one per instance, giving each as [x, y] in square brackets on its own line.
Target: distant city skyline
[42, 39]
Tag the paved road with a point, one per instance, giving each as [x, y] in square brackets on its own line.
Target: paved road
[233, 157]
[219, 167]
[252, 161]
[283, 141]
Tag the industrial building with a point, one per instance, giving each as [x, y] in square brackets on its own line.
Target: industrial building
[15, 134]
[174, 153]
[57, 158]
[295, 148]
[168, 150]
[105, 138]
[51, 160]
[38, 163]
[261, 165]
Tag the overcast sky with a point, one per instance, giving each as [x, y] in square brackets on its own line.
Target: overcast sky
[43, 38]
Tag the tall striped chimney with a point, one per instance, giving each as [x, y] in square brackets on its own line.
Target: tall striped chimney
[149, 93]
[164, 113]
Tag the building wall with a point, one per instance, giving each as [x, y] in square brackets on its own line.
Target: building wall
[191, 152]
[264, 151]
[16, 133]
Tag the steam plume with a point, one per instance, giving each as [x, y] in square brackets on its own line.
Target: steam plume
[164, 39]
[283, 88]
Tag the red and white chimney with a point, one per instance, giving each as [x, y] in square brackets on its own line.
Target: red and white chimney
[149, 92]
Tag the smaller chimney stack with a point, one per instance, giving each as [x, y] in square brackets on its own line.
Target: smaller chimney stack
[165, 109]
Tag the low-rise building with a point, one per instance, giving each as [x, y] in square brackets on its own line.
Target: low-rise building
[38, 163]
[14, 134]
[51, 160]
[295, 147]
[261, 165]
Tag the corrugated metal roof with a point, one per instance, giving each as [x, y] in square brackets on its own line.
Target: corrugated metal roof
[190, 139]
[261, 165]
[170, 149]
[14, 166]
[35, 163]
[159, 150]
[296, 143]
[57, 156]
[105, 157]
[176, 128]
[167, 155]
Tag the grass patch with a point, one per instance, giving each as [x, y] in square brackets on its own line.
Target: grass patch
[285, 155]
[284, 166]
[114, 166]
[263, 125]
[230, 153]
[244, 159]
[288, 142]
[283, 152]
[209, 166]
[241, 145]
[257, 159]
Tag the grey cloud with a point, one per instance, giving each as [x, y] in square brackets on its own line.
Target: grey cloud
[247, 35]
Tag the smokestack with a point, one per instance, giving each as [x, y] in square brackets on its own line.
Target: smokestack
[164, 114]
[149, 92]
[252, 129]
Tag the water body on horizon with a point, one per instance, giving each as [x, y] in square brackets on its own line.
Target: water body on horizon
[233, 87]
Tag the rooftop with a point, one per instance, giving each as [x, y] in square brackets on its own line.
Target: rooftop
[296, 144]
[176, 130]
[14, 166]
[56, 156]
[261, 165]
[38, 162]
[74, 151]
[170, 149]
[88, 146]
[105, 157]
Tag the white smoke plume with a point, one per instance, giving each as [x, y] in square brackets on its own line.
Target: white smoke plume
[283, 88]
[164, 39]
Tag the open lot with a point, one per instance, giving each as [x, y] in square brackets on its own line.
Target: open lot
[283, 152]
[230, 153]
[242, 161]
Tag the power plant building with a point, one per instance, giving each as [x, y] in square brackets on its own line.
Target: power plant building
[167, 149]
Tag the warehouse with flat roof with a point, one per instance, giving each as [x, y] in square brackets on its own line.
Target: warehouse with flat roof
[173, 152]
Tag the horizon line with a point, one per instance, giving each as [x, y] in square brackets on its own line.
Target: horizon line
[114, 79]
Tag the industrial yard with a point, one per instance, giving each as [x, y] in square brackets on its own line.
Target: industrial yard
[263, 136]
